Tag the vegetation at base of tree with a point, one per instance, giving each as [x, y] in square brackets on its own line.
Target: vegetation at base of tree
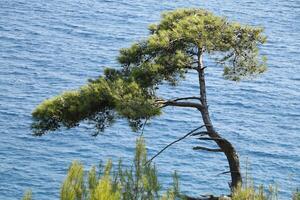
[251, 193]
[27, 195]
[176, 45]
[139, 182]
[296, 195]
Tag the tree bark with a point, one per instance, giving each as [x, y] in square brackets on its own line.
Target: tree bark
[224, 145]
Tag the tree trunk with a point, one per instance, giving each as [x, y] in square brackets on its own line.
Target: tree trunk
[225, 145]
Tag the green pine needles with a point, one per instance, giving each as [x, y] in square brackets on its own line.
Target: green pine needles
[27, 195]
[251, 193]
[165, 56]
[137, 183]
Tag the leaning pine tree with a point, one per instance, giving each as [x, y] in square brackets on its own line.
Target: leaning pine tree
[176, 45]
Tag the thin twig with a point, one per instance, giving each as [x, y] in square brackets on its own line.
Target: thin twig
[186, 135]
[227, 172]
[144, 127]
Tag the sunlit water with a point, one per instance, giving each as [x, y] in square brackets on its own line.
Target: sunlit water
[50, 46]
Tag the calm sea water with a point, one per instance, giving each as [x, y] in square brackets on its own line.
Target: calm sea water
[50, 46]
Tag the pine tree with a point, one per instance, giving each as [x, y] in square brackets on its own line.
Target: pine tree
[176, 45]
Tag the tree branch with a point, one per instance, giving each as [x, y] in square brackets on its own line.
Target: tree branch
[179, 104]
[189, 66]
[207, 149]
[186, 135]
[227, 172]
[212, 138]
[144, 124]
[201, 133]
[186, 98]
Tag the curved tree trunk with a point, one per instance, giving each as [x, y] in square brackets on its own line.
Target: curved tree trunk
[227, 148]
[224, 145]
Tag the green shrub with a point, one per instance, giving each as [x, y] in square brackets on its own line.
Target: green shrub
[139, 182]
[249, 192]
[27, 195]
[136, 183]
[73, 186]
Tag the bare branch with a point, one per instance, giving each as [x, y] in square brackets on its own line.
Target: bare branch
[212, 138]
[201, 133]
[193, 68]
[207, 149]
[227, 172]
[186, 98]
[144, 124]
[190, 67]
[186, 135]
[179, 104]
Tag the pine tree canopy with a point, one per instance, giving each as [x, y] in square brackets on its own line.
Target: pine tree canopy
[165, 56]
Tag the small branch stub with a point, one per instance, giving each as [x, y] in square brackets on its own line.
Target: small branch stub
[207, 149]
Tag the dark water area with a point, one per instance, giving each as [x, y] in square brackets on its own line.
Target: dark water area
[50, 46]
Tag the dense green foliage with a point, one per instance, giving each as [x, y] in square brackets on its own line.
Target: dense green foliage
[250, 193]
[137, 183]
[96, 101]
[165, 56]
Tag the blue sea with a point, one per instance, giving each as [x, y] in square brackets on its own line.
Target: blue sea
[47, 47]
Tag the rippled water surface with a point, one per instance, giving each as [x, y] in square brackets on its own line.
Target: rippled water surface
[51, 46]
